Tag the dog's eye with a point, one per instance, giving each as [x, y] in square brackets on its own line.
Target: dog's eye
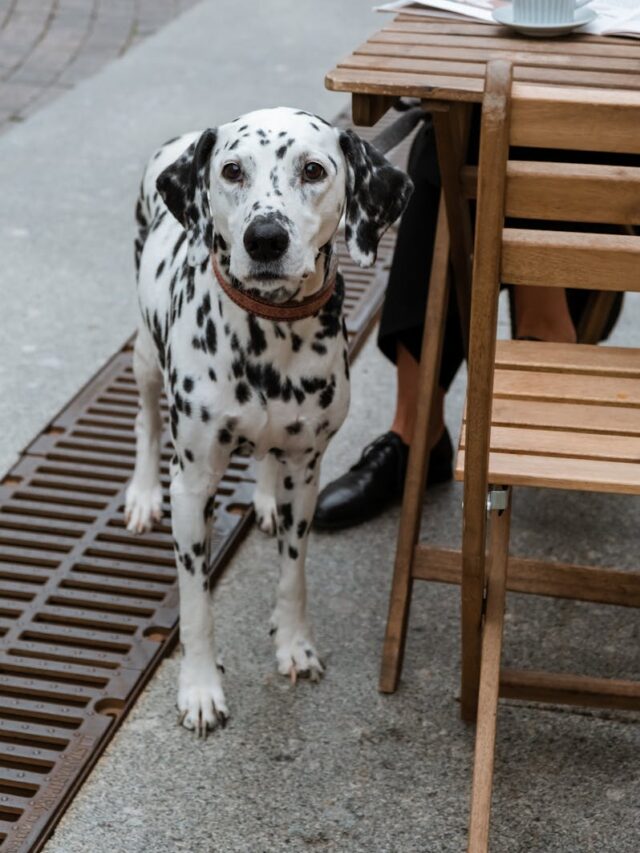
[313, 172]
[232, 172]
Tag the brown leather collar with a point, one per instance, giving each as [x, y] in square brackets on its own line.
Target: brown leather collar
[270, 310]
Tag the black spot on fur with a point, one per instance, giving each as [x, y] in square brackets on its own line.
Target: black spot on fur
[224, 436]
[257, 337]
[243, 392]
[285, 512]
[313, 384]
[294, 428]
[293, 553]
[326, 396]
[178, 244]
[211, 336]
[302, 528]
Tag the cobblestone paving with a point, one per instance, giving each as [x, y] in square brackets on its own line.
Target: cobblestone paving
[47, 46]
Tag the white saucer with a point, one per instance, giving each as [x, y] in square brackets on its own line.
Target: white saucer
[583, 16]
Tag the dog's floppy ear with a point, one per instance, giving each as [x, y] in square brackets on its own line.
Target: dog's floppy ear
[183, 186]
[377, 193]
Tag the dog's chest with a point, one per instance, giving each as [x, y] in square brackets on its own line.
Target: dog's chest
[234, 380]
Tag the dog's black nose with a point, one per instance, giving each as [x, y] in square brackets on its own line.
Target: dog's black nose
[265, 240]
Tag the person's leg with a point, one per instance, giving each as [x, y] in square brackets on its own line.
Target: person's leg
[543, 313]
[406, 395]
[377, 479]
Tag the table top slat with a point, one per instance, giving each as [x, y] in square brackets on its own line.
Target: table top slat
[522, 73]
[440, 59]
[442, 25]
[506, 44]
[520, 57]
[436, 87]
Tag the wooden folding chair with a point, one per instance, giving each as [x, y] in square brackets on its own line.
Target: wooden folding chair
[453, 254]
[546, 415]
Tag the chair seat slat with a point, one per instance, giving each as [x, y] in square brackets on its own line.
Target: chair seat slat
[519, 469]
[562, 387]
[568, 358]
[563, 444]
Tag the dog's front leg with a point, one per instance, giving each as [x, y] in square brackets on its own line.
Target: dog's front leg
[297, 489]
[201, 701]
[143, 504]
[264, 497]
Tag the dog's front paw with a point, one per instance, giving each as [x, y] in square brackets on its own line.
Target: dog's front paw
[201, 702]
[265, 508]
[142, 508]
[296, 654]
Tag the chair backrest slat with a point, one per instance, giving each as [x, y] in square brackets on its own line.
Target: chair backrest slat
[573, 192]
[569, 259]
[598, 202]
[575, 119]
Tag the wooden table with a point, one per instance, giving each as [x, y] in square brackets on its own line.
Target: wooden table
[436, 59]
[443, 63]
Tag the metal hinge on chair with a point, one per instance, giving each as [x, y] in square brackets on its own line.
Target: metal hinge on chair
[497, 499]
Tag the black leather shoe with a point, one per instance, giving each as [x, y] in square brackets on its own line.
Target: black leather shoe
[376, 481]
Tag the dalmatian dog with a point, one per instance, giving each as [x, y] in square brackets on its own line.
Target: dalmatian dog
[234, 224]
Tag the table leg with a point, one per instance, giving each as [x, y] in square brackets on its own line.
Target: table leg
[452, 135]
[409, 528]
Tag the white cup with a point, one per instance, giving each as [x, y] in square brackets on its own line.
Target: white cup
[538, 12]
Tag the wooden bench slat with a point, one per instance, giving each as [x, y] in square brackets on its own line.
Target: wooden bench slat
[568, 358]
[568, 259]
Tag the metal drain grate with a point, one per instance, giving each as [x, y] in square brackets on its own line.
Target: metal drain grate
[87, 610]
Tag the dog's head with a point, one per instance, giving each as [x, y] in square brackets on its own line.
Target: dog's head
[266, 193]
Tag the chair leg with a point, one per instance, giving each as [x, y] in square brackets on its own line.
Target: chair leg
[489, 682]
[409, 528]
[494, 152]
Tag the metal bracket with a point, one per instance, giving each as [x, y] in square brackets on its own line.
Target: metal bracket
[497, 500]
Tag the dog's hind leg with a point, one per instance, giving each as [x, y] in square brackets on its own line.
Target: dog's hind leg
[264, 497]
[143, 503]
[201, 701]
[297, 490]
